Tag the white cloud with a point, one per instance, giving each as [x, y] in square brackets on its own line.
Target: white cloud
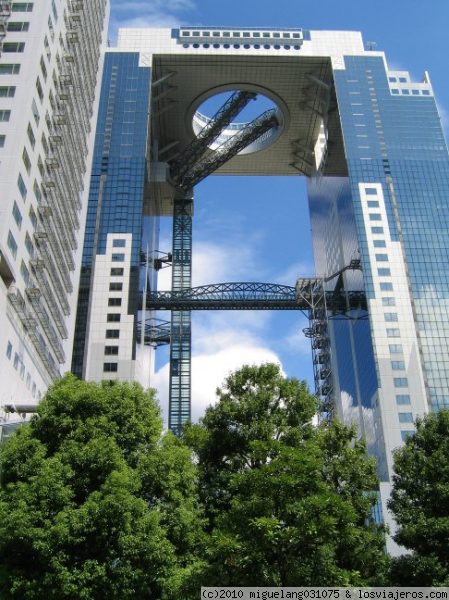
[296, 342]
[291, 273]
[222, 341]
[154, 13]
[209, 368]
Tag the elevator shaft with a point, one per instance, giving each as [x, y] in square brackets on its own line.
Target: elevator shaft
[180, 335]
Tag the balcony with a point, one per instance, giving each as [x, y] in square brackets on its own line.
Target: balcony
[30, 325]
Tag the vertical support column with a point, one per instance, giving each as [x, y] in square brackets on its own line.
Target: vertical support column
[180, 348]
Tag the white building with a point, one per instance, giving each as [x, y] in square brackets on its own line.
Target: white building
[50, 59]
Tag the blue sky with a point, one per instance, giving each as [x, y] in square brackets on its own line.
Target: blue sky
[257, 229]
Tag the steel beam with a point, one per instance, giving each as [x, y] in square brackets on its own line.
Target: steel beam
[222, 118]
[243, 138]
[180, 335]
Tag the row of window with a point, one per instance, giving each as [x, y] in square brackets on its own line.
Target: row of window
[406, 92]
[243, 34]
[114, 286]
[390, 317]
[19, 366]
[244, 46]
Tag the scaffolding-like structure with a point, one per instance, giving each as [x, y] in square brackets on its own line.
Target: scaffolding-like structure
[310, 295]
[5, 13]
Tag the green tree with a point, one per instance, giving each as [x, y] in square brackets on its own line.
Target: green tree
[95, 502]
[288, 503]
[420, 504]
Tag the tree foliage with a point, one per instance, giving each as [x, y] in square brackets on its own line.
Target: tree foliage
[95, 502]
[420, 504]
[288, 503]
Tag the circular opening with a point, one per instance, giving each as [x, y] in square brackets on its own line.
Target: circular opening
[255, 108]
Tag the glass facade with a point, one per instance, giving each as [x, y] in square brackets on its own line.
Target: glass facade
[118, 179]
[391, 213]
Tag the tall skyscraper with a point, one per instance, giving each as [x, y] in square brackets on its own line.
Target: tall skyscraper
[370, 142]
[50, 57]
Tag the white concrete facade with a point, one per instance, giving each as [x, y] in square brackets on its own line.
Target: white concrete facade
[50, 68]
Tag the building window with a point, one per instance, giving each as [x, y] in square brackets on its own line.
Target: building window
[373, 204]
[17, 215]
[391, 317]
[47, 48]
[118, 258]
[33, 217]
[402, 399]
[37, 192]
[2, 141]
[25, 273]
[18, 26]
[35, 112]
[119, 243]
[12, 244]
[51, 29]
[406, 434]
[26, 160]
[112, 334]
[43, 68]
[384, 272]
[382, 257]
[22, 6]
[398, 365]
[395, 348]
[377, 230]
[116, 286]
[16, 361]
[400, 382]
[370, 191]
[113, 317]
[116, 272]
[10, 69]
[393, 333]
[375, 217]
[8, 91]
[31, 136]
[5, 115]
[21, 185]
[110, 367]
[406, 417]
[13, 47]
[111, 350]
[8, 350]
[390, 301]
[39, 89]
[380, 244]
[114, 302]
[386, 286]
[29, 245]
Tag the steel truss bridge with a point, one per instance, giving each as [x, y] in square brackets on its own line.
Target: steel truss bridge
[310, 295]
[257, 296]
